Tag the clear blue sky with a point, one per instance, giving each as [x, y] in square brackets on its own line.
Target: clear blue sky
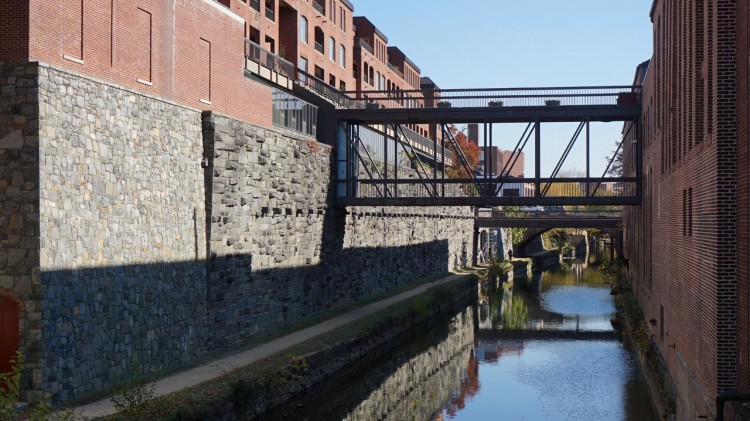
[504, 43]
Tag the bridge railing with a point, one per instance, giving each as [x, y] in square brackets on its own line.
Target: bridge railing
[562, 189]
[500, 97]
[268, 59]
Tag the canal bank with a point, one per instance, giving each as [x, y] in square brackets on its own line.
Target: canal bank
[246, 384]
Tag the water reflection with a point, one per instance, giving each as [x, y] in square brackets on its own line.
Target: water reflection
[468, 368]
[546, 350]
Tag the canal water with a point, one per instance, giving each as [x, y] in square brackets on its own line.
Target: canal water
[537, 349]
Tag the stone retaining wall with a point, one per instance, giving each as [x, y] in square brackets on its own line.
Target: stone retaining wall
[19, 200]
[281, 252]
[156, 234]
[123, 233]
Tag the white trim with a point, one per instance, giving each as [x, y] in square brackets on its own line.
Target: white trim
[73, 59]
[225, 10]
[145, 82]
[205, 101]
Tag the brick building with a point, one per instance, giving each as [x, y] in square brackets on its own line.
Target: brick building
[499, 158]
[691, 277]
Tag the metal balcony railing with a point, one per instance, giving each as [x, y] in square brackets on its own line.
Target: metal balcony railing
[326, 91]
[268, 59]
[506, 97]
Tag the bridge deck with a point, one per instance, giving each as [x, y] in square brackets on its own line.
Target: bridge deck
[518, 114]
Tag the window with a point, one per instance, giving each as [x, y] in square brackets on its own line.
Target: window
[342, 85]
[332, 80]
[341, 18]
[303, 67]
[270, 10]
[319, 72]
[332, 49]
[377, 80]
[319, 40]
[303, 29]
[342, 55]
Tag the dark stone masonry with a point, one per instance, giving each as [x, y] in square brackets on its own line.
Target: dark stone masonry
[142, 234]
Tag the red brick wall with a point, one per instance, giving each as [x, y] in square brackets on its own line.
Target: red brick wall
[149, 46]
[687, 220]
[743, 195]
[14, 30]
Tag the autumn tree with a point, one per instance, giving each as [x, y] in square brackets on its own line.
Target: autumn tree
[616, 169]
[470, 151]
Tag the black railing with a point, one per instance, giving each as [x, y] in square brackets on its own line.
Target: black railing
[255, 4]
[325, 90]
[426, 143]
[566, 190]
[507, 97]
[268, 59]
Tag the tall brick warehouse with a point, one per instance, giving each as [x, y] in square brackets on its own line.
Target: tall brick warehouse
[687, 244]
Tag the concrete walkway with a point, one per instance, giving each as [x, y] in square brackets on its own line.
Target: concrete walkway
[221, 366]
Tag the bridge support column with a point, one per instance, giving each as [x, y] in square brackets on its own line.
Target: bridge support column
[475, 246]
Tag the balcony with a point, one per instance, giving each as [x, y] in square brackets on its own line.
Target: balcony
[268, 65]
[255, 4]
[319, 7]
[363, 44]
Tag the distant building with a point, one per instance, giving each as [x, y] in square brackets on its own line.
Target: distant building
[498, 158]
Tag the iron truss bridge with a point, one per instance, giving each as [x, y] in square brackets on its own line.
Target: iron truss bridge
[547, 219]
[377, 164]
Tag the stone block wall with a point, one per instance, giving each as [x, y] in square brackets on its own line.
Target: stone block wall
[281, 252]
[123, 248]
[19, 199]
[139, 234]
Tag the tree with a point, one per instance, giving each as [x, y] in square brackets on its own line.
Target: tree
[470, 150]
[616, 169]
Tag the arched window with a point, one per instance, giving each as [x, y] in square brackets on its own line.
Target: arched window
[372, 76]
[366, 74]
[319, 39]
[332, 49]
[342, 55]
[303, 29]
[377, 80]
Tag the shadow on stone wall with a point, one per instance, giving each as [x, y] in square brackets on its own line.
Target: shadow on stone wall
[103, 325]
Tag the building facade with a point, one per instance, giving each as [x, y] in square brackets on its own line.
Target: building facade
[691, 277]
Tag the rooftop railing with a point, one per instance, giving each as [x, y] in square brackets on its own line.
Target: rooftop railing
[507, 97]
[268, 59]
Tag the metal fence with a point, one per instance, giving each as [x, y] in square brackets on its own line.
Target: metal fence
[500, 97]
[268, 59]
